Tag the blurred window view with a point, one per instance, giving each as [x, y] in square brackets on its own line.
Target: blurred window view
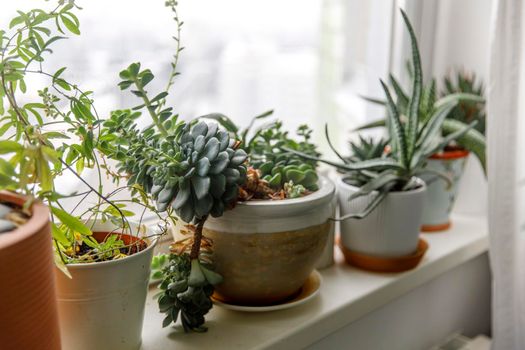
[307, 60]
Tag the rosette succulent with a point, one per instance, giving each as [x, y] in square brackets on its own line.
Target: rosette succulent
[206, 175]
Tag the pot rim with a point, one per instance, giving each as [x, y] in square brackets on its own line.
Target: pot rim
[152, 242]
[326, 189]
[450, 154]
[421, 188]
[38, 220]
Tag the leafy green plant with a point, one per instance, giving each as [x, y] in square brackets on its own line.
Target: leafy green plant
[52, 135]
[265, 144]
[411, 142]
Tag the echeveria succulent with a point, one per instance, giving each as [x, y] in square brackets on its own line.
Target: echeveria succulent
[209, 174]
[283, 172]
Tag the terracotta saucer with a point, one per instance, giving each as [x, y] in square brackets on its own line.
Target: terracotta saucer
[308, 291]
[385, 264]
[436, 228]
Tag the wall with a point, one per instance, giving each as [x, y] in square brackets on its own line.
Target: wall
[457, 301]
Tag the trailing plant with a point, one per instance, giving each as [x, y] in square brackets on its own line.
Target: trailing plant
[52, 135]
[466, 99]
[411, 142]
[287, 174]
[193, 170]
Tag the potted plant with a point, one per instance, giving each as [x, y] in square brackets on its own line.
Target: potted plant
[381, 197]
[279, 223]
[467, 95]
[267, 247]
[102, 259]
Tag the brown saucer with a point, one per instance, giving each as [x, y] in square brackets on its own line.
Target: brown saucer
[385, 264]
[436, 228]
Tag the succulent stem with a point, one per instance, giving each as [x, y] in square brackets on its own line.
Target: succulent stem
[197, 238]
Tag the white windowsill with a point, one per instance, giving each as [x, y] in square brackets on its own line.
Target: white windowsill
[346, 295]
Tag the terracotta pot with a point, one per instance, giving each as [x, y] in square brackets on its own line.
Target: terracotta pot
[390, 230]
[28, 309]
[266, 250]
[440, 197]
[102, 306]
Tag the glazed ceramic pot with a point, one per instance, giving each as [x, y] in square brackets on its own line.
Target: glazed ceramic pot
[28, 309]
[266, 250]
[102, 305]
[390, 230]
[441, 195]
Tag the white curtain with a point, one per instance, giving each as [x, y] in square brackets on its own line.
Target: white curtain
[505, 170]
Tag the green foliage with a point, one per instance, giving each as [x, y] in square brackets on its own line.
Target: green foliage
[466, 111]
[364, 150]
[264, 146]
[467, 106]
[186, 286]
[53, 134]
[191, 169]
[411, 142]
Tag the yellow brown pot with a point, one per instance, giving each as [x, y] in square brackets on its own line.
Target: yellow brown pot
[265, 250]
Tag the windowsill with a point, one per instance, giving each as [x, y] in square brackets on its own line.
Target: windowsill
[347, 294]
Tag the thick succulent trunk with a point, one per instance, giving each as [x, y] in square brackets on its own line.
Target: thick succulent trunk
[197, 238]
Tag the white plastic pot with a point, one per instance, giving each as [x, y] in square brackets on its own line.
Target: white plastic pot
[102, 306]
[265, 249]
[390, 230]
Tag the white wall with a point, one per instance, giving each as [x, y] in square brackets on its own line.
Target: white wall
[457, 301]
[462, 36]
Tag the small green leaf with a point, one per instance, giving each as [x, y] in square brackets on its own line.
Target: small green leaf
[7, 146]
[70, 221]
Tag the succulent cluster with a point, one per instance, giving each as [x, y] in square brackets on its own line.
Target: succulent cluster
[186, 286]
[285, 171]
[361, 151]
[210, 170]
[277, 167]
[466, 111]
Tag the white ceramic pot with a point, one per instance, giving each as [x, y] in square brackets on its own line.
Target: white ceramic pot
[102, 306]
[441, 195]
[265, 250]
[390, 230]
[473, 190]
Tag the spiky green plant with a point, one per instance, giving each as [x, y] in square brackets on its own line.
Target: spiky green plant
[466, 111]
[411, 142]
[467, 103]
[361, 151]
[264, 145]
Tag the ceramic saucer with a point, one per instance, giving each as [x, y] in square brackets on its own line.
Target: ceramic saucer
[308, 291]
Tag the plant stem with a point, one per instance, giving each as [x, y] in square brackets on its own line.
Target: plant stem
[150, 108]
[197, 238]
